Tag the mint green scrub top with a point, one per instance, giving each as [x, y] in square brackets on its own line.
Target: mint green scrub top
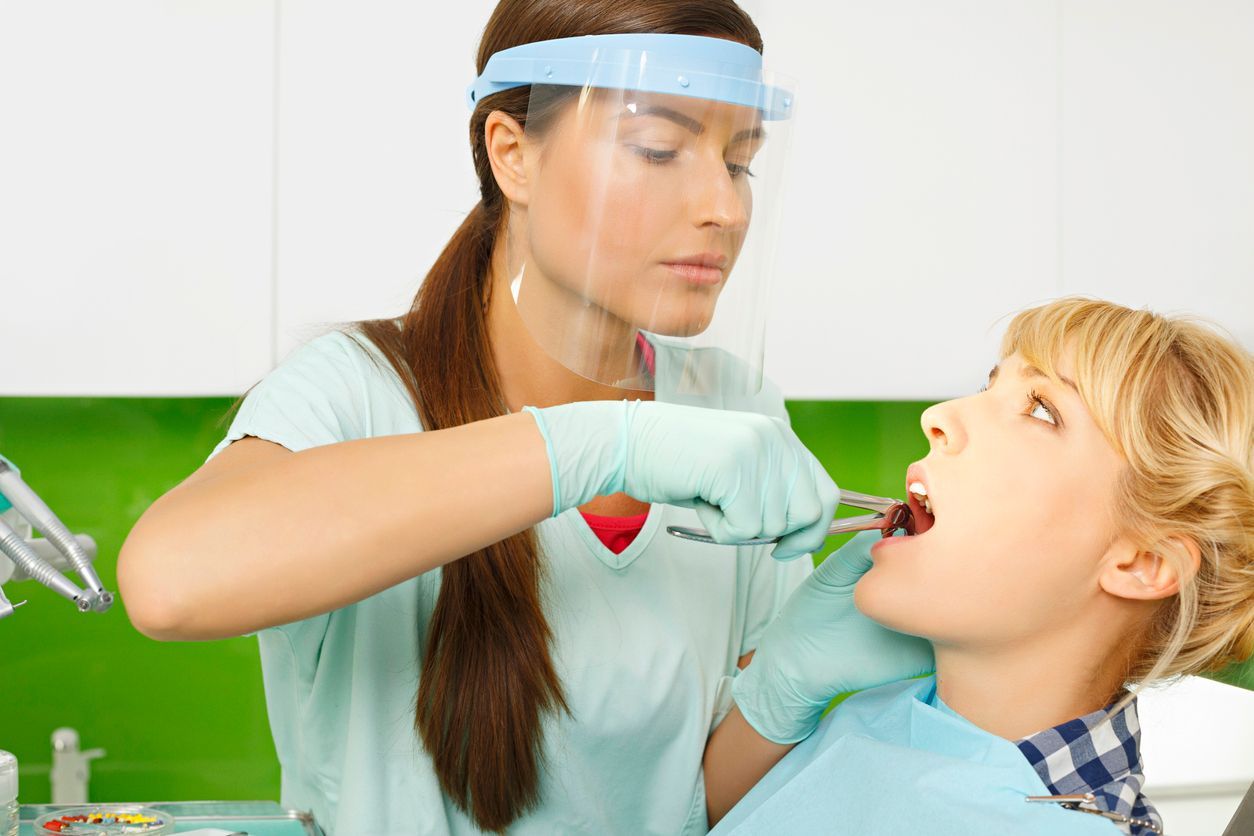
[646, 643]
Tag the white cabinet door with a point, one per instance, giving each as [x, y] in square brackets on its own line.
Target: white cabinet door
[136, 196]
[922, 206]
[375, 171]
[1158, 155]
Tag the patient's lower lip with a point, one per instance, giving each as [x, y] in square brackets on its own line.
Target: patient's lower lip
[887, 543]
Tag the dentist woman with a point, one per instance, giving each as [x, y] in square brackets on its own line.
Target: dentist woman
[447, 530]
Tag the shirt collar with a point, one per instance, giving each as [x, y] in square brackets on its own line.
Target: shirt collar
[1098, 753]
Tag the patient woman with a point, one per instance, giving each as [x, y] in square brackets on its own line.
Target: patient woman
[1091, 530]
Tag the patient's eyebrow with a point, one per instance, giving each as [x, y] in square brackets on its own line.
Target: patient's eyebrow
[1033, 371]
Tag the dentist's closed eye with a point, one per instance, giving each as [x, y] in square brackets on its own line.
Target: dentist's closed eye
[654, 155]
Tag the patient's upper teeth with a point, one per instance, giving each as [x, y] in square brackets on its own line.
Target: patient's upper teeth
[918, 488]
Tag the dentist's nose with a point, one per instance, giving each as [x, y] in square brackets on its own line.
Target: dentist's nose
[719, 200]
[942, 424]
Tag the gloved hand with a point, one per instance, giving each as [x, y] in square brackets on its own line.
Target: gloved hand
[819, 646]
[747, 475]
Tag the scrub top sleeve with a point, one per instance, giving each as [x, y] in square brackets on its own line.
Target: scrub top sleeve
[770, 584]
[315, 397]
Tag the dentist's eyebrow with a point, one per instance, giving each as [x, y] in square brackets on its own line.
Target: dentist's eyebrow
[690, 124]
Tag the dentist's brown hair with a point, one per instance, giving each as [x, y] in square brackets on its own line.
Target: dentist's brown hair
[488, 678]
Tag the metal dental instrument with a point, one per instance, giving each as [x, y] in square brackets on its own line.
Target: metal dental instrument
[892, 515]
[14, 491]
[1073, 802]
[15, 547]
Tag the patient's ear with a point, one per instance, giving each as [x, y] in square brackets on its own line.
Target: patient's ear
[1146, 575]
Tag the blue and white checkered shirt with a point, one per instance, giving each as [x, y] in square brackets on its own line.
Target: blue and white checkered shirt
[1098, 753]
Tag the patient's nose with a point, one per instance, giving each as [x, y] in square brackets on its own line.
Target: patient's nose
[942, 424]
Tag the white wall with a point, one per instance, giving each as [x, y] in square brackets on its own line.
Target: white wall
[136, 196]
[191, 188]
[976, 156]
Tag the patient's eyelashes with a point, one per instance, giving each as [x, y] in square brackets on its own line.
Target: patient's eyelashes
[1038, 405]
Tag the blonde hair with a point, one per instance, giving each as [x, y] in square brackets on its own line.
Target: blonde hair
[1175, 398]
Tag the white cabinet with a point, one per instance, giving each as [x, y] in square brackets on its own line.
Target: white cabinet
[922, 205]
[136, 196]
[374, 154]
[189, 189]
[1157, 149]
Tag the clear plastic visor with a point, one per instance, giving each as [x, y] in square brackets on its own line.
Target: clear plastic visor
[642, 247]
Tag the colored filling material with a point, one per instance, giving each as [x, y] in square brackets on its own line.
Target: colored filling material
[106, 821]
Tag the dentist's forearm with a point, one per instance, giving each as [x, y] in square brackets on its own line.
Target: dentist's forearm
[736, 758]
[297, 534]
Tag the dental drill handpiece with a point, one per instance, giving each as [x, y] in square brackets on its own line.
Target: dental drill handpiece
[15, 548]
[37, 512]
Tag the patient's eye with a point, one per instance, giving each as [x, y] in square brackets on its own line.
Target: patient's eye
[1040, 409]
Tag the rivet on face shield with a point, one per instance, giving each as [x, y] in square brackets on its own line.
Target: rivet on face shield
[548, 72]
[683, 81]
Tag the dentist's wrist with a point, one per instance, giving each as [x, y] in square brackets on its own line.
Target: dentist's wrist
[772, 708]
[586, 444]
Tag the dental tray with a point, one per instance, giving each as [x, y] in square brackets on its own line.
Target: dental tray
[105, 820]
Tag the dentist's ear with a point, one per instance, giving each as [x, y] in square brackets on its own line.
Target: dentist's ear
[1147, 575]
[506, 143]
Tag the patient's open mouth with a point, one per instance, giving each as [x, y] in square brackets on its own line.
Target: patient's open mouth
[920, 508]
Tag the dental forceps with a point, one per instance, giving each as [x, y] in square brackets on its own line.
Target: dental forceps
[13, 545]
[891, 515]
[1073, 802]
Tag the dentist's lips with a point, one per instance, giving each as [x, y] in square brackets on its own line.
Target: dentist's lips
[703, 269]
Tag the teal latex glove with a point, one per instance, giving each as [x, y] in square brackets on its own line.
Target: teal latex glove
[819, 646]
[747, 475]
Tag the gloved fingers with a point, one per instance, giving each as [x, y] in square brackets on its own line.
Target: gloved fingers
[782, 488]
[724, 528]
[846, 566]
[811, 509]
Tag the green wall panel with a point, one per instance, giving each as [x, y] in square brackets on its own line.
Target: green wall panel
[188, 720]
[178, 720]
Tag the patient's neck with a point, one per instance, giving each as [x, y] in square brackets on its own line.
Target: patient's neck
[1015, 690]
